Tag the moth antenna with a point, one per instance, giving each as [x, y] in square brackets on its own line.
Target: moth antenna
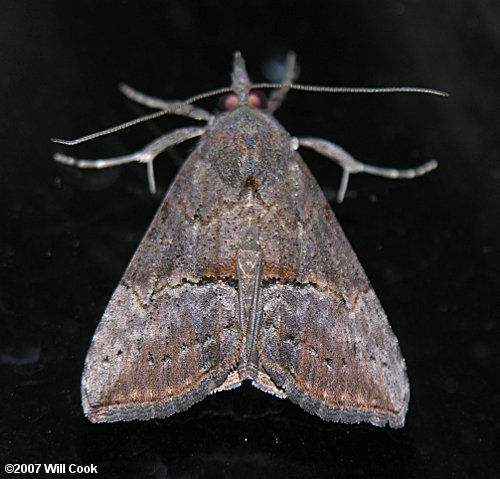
[181, 108]
[342, 89]
[208, 94]
[113, 129]
[241, 86]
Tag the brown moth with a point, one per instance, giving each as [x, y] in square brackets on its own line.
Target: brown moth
[244, 273]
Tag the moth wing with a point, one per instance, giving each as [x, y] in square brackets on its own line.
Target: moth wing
[169, 335]
[325, 340]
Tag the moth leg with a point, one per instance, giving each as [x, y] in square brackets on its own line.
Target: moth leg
[278, 96]
[145, 155]
[350, 165]
[176, 107]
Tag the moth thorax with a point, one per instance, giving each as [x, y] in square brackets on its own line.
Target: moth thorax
[246, 147]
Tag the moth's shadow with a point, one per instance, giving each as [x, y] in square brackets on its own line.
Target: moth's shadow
[242, 433]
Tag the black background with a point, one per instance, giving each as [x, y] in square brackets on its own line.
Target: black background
[429, 246]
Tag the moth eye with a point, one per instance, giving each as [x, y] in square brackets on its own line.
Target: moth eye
[228, 102]
[257, 99]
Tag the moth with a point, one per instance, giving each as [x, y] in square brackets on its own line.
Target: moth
[244, 273]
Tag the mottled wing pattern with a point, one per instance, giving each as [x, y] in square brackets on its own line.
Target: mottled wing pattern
[244, 273]
[325, 340]
[163, 344]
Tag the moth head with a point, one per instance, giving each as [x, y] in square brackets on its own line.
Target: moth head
[241, 86]
[255, 99]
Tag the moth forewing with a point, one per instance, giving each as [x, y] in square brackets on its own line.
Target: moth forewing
[171, 332]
